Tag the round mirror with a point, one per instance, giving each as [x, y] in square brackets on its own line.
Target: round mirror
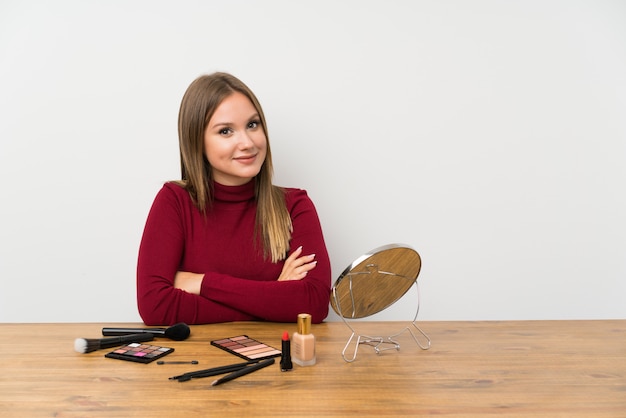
[375, 281]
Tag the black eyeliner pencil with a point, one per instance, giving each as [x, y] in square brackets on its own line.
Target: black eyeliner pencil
[243, 372]
[230, 369]
[214, 371]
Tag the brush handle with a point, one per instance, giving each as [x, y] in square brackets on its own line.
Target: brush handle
[125, 331]
[125, 339]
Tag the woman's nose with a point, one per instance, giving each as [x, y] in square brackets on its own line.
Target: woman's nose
[245, 141]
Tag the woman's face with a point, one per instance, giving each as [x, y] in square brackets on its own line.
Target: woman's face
[234, 141]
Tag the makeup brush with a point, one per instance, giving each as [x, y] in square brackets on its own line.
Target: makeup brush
[177, 332]
[87, 345]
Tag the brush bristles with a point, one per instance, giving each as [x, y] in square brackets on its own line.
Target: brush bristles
[84, 345]
[178, 332]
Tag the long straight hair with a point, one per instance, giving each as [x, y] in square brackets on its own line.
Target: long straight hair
[203, 96]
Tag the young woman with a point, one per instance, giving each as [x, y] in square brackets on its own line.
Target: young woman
[223, 243]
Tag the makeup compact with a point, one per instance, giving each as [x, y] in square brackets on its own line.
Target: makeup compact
[140, 353]
[246, 347]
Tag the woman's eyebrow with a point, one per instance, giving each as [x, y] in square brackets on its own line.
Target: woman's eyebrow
[254, 116]
[218, 124]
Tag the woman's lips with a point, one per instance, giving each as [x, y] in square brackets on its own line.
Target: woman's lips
[246, 159]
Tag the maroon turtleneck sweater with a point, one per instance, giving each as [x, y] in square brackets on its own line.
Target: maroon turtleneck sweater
[239, 284]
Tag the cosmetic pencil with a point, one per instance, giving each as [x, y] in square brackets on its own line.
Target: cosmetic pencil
[226, 369]
[214, 371]
[244, 371]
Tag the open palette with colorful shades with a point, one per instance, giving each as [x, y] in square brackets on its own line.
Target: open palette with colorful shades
[140, 353]
[246, 347]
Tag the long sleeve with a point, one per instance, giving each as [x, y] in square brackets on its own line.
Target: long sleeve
[282, 301]
[239, 284]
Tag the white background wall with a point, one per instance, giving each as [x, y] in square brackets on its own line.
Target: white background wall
[488, 135]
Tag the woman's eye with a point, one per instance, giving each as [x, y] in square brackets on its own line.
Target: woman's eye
[224, 131]
[254, 124]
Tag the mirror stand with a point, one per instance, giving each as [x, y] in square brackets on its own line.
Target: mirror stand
[380, 343]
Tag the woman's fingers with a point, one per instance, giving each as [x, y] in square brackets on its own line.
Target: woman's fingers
[296, 267]
[294, 255]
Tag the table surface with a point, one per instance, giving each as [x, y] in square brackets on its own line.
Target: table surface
[508, 368]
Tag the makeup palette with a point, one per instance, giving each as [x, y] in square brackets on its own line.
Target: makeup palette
[246, 347]
[140, 353]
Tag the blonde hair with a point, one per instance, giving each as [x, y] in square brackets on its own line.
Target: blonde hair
[203, 96]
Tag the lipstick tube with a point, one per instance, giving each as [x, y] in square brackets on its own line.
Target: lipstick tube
[285, 358]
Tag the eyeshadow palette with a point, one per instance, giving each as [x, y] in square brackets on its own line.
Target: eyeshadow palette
[246, 347]
[140, 353]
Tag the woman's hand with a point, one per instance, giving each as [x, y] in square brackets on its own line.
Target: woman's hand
[189, 282]
[296, 266]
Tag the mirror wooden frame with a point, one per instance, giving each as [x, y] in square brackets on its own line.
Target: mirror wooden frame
[371, 284]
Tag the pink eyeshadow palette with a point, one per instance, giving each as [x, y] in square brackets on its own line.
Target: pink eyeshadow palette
[140, 353]
[246, 347]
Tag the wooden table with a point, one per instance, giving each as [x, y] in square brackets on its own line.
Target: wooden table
[525, 368]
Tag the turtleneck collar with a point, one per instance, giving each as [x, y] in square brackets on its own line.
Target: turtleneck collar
[234, 194]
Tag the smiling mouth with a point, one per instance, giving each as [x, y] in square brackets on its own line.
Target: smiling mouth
[246, 158]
